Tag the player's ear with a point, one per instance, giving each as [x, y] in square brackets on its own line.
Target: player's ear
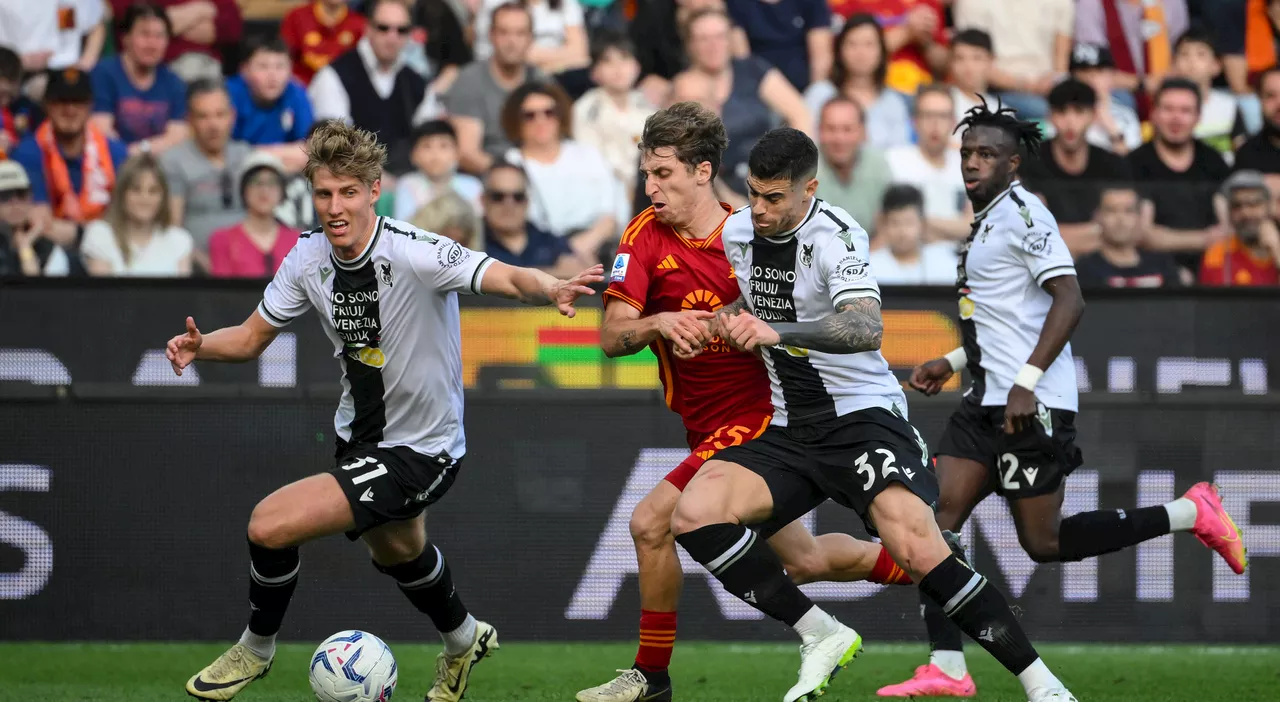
[810, 188]
[1015, 161]
[375, 190]
[702, 173]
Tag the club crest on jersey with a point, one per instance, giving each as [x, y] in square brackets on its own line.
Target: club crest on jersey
[1026, 216]
[846, 236]
[852, 268]
[806, 255]
[384, 274]
[1037, 244]
[620, 264]
[966, 307]
[450, 255]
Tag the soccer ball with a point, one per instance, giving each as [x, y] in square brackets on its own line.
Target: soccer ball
[353, 666]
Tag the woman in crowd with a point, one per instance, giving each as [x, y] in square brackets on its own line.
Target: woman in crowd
[137, 237]
[746, 93]
[256, 247]
[572, 190]
[859, 74]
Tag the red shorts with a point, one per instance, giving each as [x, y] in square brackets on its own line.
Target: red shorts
[703, 445]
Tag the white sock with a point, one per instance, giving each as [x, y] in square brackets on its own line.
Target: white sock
[1037, 675]
[815, 624]
[1182, 514]
[460, 639]
[263, 646]
[950, 662]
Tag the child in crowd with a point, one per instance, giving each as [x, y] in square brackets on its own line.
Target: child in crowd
[271, 107]
[1221, 124]
[611, 116]
[256, 247]
[903, 258]
[435, 158]
[970, 70]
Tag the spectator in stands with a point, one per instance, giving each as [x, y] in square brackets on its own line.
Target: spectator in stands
[450, 216]
[1178, 176]
[611, 116]
[571, 187]
[435, 160]
[72, 163]
[560, 39]
[933, 165]
[915, 34]
[1118, 262]
[746, 93]
[1116, 127]
[1262, 151]
[653, 31]
[372, 88]
[255, 247]
[447, 47]
[476, 99]
[198, 27]
[510, 236]
[137, 236]
[792, 35]
[201, 172]
[1248, 258]
[1032, 46]
[137, 97]
[851, 175]
[1221, 124]
[1245, 38]
[1070, 173]
[271, 108]
[970, 70]
[319, 32]
[19, 115]
[859, 74]
[1139, 35]
[24, 248]
[30, 29]
[903, 258]
[81, 34]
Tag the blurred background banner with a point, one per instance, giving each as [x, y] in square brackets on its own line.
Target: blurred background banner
[123, 503]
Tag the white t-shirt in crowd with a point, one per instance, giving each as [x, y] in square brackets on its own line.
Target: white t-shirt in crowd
[548, 24]
[29, 27]
[943, 188]
[83, 15]
[936, 266]
[159, 258]
[964, 103]
[571, 193]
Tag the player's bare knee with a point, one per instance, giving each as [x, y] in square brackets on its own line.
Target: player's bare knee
[393, 552]
[692, 514]
[650, 527]
[267, 529]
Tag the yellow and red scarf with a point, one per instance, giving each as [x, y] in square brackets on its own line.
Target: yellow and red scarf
[98, 176]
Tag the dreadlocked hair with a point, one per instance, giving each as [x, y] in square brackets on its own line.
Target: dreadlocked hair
[1026, 133]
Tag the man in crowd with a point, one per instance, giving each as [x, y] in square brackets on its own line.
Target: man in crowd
[475, 101]
[24, 249]
[792, 35]
[1116, 126]
[1262, 151]
[135, 95]
[1070, 172]
[972, 59]
[933, 165]
[1118, 262]
[510, 237]
[1221, 123]
[905, 259]
[851, 175]
[1249, 256]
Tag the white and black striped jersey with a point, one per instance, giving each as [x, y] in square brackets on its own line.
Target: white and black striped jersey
[799, 277]
[392, 314]
[1013, 249]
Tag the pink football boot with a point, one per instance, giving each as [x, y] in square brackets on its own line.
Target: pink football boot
[1214, 527]
[930, 681]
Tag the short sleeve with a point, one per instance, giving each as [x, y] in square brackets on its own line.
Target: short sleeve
[844, 259]
[285, 298]
[1034, 240]
[629, 274]
[446, 265]
[571, 12]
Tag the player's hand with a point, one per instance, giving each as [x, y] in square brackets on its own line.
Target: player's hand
[1020, 410]
[565, 292]
[182, 349]
[687, 330]
[747, 332]
[929, 377]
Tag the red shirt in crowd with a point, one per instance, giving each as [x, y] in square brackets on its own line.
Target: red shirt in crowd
[1231, 264]
[315, 37]
[228, 25]
[893, 13]
[233, 255]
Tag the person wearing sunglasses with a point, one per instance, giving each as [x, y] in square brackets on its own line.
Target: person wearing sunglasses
[510, 237]
[24, 249]
[372, 88]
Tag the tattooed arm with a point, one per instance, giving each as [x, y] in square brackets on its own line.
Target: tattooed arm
[625, 331]
[855, 327]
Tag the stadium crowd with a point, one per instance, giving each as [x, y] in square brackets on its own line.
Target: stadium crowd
[164, 138]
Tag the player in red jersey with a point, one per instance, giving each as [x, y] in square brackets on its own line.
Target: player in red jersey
[670, 274]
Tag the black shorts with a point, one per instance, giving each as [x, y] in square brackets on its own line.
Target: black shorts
[1031, 463]
[849, 459]
[390, 484]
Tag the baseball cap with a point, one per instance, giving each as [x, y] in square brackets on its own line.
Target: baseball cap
[68, 85]
[13, 177]
[1086, 56]
[1245, 180]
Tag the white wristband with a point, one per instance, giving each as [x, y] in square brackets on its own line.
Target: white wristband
[1027, 377]
[957, 359]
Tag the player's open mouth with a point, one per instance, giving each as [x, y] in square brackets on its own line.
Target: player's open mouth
[971, 183]
[657, 206]
[338, 226]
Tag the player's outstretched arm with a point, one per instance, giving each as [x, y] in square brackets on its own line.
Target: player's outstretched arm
[533, 287]
[243, 342]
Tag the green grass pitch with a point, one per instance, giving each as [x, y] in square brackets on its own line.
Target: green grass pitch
[702, 672]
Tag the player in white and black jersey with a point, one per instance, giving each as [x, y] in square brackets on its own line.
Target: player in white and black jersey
[387, 294]
[810, 305]
[1014, 433]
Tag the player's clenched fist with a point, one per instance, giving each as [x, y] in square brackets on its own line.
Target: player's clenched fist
[687, 330]
[747, 332]
[181, 350]
[929, 377]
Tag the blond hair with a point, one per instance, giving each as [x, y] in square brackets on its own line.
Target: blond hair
[449, 211]
[116, 215]
[345, 150]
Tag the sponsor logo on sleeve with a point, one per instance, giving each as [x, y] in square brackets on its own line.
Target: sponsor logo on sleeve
[852, 269]
[1037, 243]
[619, 272]
[450, 255]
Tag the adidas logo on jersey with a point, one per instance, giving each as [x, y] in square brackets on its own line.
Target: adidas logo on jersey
[668, 264]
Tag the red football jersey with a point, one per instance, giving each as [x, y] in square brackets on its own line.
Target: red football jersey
[315, 39]
[657, 270]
